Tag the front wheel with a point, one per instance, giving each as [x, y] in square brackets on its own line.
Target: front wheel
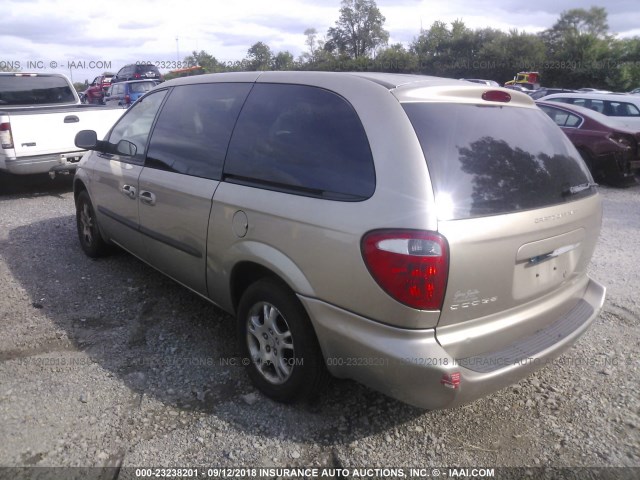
[278, 340]
[89, 235]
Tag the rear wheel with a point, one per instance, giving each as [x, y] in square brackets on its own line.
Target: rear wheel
[284, 360]
[596, 171]
[89, 235]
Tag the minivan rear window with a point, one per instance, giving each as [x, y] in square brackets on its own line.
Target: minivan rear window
[488, 160]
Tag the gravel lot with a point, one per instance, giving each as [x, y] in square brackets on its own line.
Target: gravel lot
[107, 362]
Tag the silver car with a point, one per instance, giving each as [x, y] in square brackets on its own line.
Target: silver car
[427, 237]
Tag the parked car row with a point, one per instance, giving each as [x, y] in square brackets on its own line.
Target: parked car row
[137, 71]
[94, 94]
[100, 87]
[605, 128]
[123, 94]
[609, 149]
[40, 115]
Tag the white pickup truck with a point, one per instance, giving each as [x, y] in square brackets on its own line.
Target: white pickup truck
[40, 115]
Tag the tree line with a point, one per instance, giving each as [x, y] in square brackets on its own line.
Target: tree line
[577, 51]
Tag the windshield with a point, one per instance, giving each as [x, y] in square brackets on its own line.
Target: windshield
[487, 160]
[34, 90]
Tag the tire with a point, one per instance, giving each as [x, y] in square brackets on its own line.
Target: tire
[89, 234]
[277, 338]
[596, 173]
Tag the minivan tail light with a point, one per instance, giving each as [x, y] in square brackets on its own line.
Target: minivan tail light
[6, 139]
[127, 99]
[496, 96]
[412, 266]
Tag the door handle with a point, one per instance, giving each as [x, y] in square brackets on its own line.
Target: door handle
[147, 197]
[129, 191]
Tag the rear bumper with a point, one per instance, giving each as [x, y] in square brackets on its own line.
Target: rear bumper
[411, 366]
[618, 167]
[43, 163]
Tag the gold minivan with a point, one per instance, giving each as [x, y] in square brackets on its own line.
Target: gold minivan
[427, 237]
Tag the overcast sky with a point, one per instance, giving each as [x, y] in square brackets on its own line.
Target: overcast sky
[117, 32]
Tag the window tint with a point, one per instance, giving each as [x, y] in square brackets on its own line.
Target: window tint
[135, 125]
[193, 130]
[595, 105]
[302, 140]
[619, 109]
[36, 90]
[483, 162]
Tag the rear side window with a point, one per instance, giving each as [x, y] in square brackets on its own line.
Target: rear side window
[621, 109]
[606, 107]
[595, 105]
[561, 117]
[194, 127]
[301, 140]
[488, 160]
[34, 90]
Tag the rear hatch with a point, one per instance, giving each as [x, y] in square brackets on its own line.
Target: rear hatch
[518, 208]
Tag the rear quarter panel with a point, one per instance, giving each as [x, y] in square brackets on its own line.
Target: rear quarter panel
[321, 238]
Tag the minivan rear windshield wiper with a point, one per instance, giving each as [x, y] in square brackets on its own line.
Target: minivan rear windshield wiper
[578, 188]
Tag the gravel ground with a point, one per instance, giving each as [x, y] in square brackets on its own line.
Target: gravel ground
[108, 362]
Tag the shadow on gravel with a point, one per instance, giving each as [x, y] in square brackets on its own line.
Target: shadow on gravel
[167, 344]
[34, 185]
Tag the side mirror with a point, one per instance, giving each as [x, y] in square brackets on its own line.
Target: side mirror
[107, 94]
[86, 139]
[125, 147]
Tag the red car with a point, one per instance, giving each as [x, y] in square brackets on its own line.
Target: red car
[609, 148]
[97, 88]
